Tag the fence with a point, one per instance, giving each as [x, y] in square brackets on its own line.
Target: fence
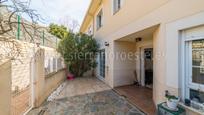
[53, 61]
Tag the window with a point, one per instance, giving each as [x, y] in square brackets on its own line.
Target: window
[102, 63]
[195, 70]
[197, 96]
[99, 19]
[116, 5]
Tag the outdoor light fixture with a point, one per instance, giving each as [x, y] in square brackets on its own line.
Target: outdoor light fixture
[138, 39]
[106, 44]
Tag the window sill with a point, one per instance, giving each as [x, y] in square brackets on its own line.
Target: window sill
[191, 109]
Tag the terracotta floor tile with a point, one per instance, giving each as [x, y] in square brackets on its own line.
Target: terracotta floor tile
[139, 96]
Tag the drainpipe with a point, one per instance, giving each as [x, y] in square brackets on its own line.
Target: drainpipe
[92, 16]
[93, 24]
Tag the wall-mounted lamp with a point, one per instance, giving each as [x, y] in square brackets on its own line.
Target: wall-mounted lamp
[138, 39]
[106, 44]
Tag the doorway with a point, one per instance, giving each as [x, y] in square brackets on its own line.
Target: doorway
[102, 62]
[147, 67]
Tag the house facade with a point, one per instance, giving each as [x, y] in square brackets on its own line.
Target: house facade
[157, 43]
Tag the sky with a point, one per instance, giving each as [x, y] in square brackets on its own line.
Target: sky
[60, 11]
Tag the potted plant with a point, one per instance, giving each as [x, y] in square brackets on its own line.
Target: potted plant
[172, 102]
[69, 75]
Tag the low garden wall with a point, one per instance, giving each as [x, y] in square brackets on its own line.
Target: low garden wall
[5, 88]
[45, 84]
[52, 81]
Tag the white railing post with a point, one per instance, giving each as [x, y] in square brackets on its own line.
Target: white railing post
[39, 81]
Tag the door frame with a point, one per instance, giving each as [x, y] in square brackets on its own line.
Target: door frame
[186, 57]
[99, 74]
[142, 68]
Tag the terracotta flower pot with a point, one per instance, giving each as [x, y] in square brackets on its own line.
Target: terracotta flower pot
[70, 76]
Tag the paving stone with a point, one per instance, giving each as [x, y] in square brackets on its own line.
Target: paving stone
[106, 102]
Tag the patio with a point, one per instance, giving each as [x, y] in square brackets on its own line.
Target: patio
[139, 96]
[87, 96]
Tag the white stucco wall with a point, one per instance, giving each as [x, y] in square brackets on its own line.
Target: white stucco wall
[172, 17]
[124, 65]
[174, 37]
[166, 63]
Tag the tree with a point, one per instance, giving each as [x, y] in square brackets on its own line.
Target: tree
[9, 11]
[58, 31]
[71, 24]
[79, 52]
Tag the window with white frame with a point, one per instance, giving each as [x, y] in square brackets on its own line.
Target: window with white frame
[99, 19]
[116, 5]
[194, 70]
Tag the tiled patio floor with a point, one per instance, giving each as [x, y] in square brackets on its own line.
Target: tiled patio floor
[140, 96]
[87, 96]
[81, 86]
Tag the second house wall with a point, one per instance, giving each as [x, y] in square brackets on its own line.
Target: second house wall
[124, 63]
[165, 42]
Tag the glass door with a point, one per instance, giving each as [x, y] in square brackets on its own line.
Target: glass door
[102, 63]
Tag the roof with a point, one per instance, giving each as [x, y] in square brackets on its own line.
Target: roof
[89, 14]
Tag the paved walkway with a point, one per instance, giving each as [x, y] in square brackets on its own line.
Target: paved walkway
[142, 97]
[87, 96]
[81, 86]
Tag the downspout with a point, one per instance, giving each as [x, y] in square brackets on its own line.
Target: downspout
[93, 24]
[92, 17]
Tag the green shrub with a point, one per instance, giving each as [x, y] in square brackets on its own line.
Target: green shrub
[79, 52]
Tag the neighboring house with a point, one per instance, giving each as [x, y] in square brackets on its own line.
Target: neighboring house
[163, 40]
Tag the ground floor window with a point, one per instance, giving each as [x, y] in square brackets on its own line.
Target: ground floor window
[102, 62]
[194, 72]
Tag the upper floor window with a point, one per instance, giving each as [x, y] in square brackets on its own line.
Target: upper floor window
[116, 5]
[99, 19]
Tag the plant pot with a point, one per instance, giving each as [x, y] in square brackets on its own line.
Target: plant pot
[172, 103]
[70, 76]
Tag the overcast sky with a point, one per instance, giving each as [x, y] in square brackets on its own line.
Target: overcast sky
[58, 10]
